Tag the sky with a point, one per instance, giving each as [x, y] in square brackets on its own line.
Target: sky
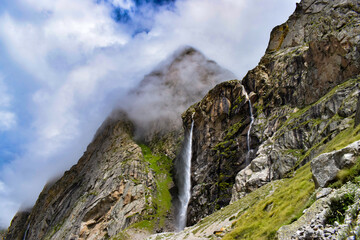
[65, 64]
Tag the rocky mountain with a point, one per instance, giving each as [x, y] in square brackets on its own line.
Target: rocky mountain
[274, 156]
[125, 175]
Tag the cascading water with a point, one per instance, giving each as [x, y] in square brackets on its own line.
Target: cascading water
[248, 134]
[251, 123]
[27, 230]
[185, 181]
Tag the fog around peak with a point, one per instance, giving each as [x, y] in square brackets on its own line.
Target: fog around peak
[163, 95]
[65, 65]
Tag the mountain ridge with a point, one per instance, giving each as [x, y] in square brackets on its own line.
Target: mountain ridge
[304, 97]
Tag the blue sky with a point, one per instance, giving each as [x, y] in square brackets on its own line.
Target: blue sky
[65, 64]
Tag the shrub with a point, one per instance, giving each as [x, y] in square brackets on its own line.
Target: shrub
[338, 206]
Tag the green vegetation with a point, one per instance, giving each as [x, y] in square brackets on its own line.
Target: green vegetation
[343, 139]
[161, 165]
[299, 115]
[233, 130]
[121, 236]
[55, 229]
[349, 174]
[262, 219]
[338, 206]
[236, 209]
[160, 203]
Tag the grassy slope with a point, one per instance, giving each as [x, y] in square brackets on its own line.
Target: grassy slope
[262, 222]
[160, 165]
[264, 218]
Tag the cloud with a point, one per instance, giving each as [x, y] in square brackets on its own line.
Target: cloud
[124, 4]
[80, 62]
[7, 118]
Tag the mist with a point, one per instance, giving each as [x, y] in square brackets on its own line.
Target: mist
[65, 65]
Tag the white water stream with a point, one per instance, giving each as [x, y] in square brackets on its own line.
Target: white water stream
[185, 181]
[248, 132]
[27, 230]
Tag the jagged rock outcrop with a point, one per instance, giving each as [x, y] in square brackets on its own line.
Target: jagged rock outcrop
[357, 116]
[304, 93]
[219, 146]
[316, 223]
[315, 50]
[305, 89]
[124, 177]
[326, 166]
[110, 188]
[298, 136]
[19, 226]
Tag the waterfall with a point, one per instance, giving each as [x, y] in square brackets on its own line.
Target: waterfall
[248, 133]
[251, 123]
[185, 180]
[26, 232]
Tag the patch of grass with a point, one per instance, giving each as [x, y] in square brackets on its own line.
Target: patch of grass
[349, 174]
[160, 205]
[233, 130]
[161, 166]
[294, 118]
[239, 207]
[338, 206]
[343, 139]
[288, 201]
[121, 236]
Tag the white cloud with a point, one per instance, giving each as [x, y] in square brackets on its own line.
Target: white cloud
[125, 4]
[5, 98]
[7, 120]
[82, 61]
[2, 187]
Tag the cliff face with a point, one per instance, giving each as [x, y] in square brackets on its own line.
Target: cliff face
[105, 192]
[303, 92]
[123, 180]
[303, 95]
[221, 120]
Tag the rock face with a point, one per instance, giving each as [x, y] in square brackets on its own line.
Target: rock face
[326, 166]
[315, 224]
[357, 116]
[304, 93]
[108, 190]
[305, 89]
[124, 177]
[298, 135]
[315, 50]
[219, 146]
[19, 226]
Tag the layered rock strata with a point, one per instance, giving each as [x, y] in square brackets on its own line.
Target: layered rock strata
[125, 176]
[304, 92]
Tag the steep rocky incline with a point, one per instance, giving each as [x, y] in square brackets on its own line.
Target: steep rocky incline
[219, 146]
[306, 87]
[304, 93]
[109, 189]
[124, 179]
[304, 98]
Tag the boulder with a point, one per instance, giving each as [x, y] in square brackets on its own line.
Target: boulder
[326, 166]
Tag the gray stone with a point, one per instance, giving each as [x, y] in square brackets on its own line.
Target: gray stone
[326, 166]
